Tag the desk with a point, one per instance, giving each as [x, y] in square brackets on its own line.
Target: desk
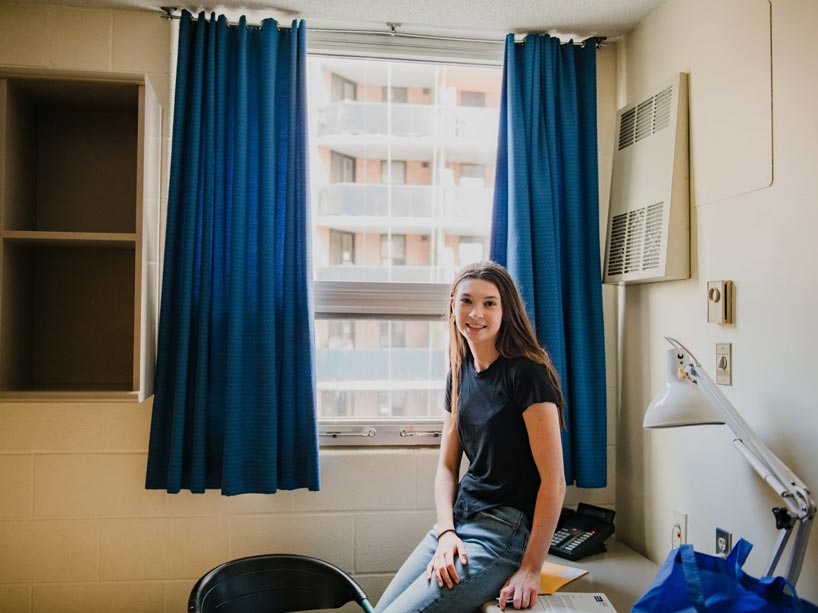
[621, 573]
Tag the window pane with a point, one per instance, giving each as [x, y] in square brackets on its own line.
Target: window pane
[400, 149]
[387, 369]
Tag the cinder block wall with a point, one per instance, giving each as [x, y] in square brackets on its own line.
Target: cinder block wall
[78, 531]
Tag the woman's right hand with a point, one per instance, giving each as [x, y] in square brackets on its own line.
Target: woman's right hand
[449, 546]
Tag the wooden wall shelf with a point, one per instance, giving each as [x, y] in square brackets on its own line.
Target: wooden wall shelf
[105, 239]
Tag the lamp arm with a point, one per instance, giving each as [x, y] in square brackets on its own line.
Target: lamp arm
[795, 506]
[777, 474]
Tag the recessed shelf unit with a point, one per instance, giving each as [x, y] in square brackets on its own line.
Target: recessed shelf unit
[79, 224]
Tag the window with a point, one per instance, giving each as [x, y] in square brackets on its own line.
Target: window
[393, 334]
[341, 247]
[401, 199]
[471, 248]
[399, 94]
[341, 334]
[391, 404]
[343, 89]
[472, 98]
[473, 171]
[342, 168]
[393, 251]
[398, 176]
[335, 403]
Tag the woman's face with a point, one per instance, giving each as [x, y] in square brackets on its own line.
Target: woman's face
[478, 313]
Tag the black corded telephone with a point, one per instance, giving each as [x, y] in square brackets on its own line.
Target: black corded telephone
[582, 532]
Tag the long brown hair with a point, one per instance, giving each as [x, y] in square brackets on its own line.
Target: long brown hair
[515, 338]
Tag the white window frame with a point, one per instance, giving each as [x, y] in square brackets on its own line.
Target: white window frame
[407, 301]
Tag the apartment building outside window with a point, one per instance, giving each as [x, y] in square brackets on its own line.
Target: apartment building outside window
[401, 186]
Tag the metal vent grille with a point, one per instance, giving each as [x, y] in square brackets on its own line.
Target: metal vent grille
[646, 118]
[661, 109]
[653, 236]
[636, 240]
[616, 255]
[626, 128]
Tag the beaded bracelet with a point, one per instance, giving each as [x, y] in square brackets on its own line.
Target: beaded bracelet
[445, 531]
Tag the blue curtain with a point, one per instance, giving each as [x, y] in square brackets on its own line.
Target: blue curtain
[545, 227]
[235, 401]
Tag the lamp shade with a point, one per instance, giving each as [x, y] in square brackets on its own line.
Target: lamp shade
[679, 402]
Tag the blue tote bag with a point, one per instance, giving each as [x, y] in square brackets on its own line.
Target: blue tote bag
[693, 582]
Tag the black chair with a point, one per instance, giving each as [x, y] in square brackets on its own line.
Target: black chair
[274, 583]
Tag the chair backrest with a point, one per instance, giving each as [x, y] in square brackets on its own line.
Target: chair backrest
[274, 583]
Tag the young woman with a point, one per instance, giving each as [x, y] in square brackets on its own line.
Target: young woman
[504, 410]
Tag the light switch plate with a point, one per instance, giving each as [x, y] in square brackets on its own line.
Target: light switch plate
[724, 363]
[720, 302]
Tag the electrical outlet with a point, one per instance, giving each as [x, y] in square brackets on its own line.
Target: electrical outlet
[724, 542]
[678, 534]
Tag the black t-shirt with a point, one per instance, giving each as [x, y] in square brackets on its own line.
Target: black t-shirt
[492, 433]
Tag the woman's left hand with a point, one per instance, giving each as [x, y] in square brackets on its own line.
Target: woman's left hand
[522, 587]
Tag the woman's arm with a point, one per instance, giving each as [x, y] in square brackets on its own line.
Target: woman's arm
[543, 426]
[446, 478]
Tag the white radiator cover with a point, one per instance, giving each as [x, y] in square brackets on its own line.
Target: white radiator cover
[649, 218]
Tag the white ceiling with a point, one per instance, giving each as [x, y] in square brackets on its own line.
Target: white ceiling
[478, 18]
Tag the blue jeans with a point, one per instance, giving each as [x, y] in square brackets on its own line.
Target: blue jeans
[495, 540]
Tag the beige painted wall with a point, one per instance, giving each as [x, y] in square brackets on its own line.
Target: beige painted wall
[764, 241]
[78, 531]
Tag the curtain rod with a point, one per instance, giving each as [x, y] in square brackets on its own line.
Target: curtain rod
[169, 12]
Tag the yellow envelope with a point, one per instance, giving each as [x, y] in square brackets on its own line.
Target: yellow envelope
[554, 576]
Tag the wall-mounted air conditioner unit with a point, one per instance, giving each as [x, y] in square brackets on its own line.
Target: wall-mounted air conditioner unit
[649, 217]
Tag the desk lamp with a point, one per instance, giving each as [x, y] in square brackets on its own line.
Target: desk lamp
[689, 397]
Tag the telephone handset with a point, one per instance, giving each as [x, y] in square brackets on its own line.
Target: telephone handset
[582, 532]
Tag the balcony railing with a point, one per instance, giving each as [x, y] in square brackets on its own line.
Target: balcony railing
[352, 117]
[408, 120]
[398, 363]
[416, 201]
